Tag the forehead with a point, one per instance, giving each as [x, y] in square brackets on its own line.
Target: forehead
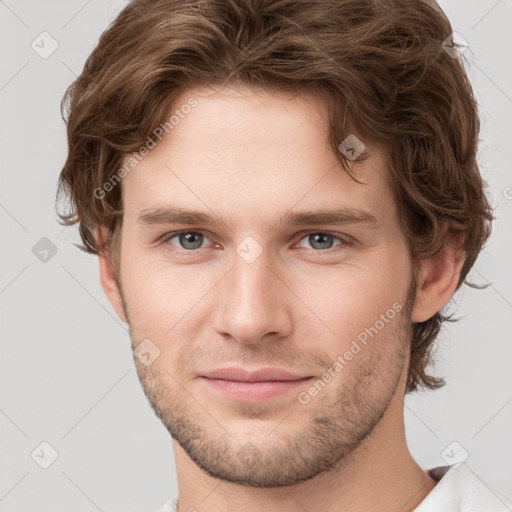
[245, 149]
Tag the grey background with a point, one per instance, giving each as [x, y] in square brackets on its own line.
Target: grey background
[67, 375]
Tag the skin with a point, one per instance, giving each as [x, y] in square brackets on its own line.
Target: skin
[248, 156]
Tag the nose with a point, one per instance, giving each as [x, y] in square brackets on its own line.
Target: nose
[254, 302]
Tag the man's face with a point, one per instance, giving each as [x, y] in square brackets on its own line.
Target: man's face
[252, 292]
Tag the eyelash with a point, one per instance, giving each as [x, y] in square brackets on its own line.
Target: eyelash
[344, 239]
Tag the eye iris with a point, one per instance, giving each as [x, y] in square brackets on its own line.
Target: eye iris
[320, 238]
[188, 238]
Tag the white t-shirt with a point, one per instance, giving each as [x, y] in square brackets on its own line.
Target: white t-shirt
[458, 490]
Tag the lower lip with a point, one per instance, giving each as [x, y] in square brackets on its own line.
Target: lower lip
[254, 391]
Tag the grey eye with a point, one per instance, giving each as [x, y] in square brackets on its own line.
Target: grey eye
[321, 241]
[189, 240]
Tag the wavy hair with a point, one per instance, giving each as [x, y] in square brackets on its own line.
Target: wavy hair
[380, 64]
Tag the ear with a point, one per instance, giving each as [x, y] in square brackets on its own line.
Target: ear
[108, 278]
[437, 281]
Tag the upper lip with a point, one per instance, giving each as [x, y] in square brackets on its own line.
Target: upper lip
[264, 374]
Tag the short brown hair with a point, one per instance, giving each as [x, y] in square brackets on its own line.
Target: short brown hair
[380, 64]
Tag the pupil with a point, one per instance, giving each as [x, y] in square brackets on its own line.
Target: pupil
[320, 238]
[188, 238]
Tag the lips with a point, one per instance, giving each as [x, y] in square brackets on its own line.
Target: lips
[262, 375]
[258, 386]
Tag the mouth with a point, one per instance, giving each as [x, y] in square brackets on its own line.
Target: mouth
[261, 385]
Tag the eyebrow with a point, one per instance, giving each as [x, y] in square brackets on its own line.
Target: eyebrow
[338, 216]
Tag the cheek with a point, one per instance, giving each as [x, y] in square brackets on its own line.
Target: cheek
[163, 300]
[344, 301]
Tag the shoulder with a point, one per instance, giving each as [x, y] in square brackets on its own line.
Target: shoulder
[459, 489]
[170, 506]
